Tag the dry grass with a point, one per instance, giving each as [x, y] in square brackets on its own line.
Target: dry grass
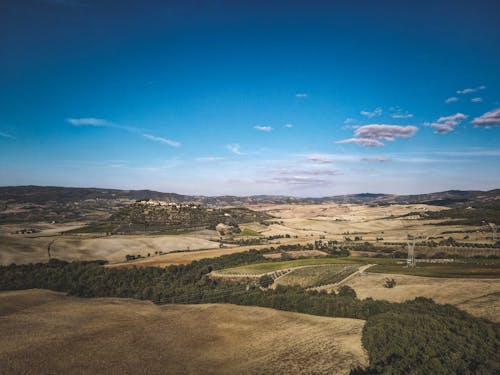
[298, 254]
[307, 222]
[24, 249]
[480, 297]
[47, 332]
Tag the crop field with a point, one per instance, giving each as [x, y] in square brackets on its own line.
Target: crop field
[48, 332]
[456, 269]
[262, 268]
[313, 276]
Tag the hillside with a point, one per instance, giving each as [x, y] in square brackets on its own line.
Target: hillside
[157, 216]
[57, 334]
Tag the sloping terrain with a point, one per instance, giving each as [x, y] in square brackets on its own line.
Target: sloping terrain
[480, 297]
[112, 248]
[47, 332]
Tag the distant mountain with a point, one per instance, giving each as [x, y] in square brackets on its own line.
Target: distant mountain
[45, 194]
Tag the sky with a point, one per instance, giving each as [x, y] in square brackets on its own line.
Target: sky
[304, 98]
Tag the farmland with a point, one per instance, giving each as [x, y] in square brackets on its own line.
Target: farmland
[329, 260]
[55, 333]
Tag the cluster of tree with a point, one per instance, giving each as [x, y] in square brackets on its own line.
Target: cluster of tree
[277, 236]
[400, 338]
[332, 247]
[474, 214]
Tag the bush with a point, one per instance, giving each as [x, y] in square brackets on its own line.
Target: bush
[266, 281]
[347, 291]
[390, 283]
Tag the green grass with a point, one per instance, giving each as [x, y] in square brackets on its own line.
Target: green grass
[248, 232]
[260, 268]
[314, 276]
[453, 270]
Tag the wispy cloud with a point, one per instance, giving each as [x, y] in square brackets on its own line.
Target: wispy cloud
[366, 142]
[402, 115]
[319, 158]
[89, 121]
[376, 112]
[298, 181]
[308, 172]
[446, 124]
[234, 148]
[469, 153]
[451, 99]
[99, 122]
[476, 100]
[491, 118]
[6, 135]
[301, 95]
[263, 128]
[288, 126]
[209, 158]
[471, 90]
[162, 140]
[381, 159]
[397, 112]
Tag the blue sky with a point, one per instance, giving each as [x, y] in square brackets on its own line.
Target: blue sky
[304, 98]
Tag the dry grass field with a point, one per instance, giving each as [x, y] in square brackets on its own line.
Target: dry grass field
[304, 223]
[25, 249]
[480, 297]
[48, 332]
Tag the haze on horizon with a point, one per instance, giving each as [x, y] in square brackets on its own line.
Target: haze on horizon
[251, 97]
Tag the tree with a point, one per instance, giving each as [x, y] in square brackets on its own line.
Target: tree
[265, 281]
[347, 291]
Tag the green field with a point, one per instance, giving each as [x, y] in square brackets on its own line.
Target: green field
[458, 270]
[260, 268]
[313, 276]
[247, 232]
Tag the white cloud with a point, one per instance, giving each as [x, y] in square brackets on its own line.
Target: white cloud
[376, 112]
[402, 115]
[476, 100]
[289, 126]
[301, 95]
[209, 158]
[446, 124]
[162, 140]
[471, 90]
[385, 132]
[397, 112]
[234, 148]
[370, 135]
[319, 158]
[349, 120]
[89, 121]
[491, 118]
[263, 128]
[367, 142]
[451, 99]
